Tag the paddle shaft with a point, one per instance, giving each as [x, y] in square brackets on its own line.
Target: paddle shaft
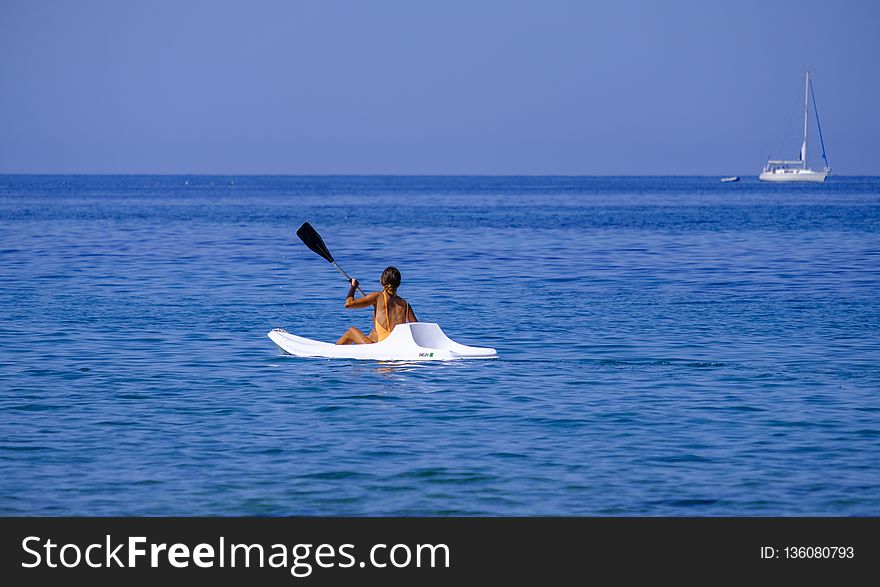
[310, 238]
[338, 268]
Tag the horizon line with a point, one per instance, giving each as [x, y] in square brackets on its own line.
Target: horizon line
[103, 174]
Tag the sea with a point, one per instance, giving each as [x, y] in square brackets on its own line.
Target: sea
[667, 346]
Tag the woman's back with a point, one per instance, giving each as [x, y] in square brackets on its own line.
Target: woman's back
[392, 310]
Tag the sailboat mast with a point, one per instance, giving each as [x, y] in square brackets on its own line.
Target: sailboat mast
[806, 111]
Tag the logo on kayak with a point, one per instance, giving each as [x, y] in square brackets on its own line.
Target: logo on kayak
[426, 354]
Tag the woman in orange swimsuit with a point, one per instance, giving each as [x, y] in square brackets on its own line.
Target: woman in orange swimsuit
[389, 309]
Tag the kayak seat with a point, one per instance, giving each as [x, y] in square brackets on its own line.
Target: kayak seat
[424, 334]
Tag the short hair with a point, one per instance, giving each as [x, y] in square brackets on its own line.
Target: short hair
[391, 277]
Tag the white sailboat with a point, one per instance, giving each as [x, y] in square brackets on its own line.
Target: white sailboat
[783, 170]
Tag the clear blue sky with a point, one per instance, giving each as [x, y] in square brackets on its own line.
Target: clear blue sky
[443, 87]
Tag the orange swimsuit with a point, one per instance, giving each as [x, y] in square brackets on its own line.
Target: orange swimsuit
[382, 332]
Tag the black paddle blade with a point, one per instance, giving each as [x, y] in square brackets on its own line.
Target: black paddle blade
[313, 240]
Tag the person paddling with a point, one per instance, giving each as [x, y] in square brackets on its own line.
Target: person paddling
[389, 309]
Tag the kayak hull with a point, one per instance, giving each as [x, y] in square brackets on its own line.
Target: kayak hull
[415, 341]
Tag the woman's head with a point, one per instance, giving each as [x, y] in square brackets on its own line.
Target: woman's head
[390, 280]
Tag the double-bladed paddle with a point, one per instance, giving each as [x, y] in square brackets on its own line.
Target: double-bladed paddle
[313, 240]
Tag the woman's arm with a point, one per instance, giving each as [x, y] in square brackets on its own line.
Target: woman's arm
[364, 302]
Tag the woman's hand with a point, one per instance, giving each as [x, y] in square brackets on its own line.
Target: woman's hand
[351, 290]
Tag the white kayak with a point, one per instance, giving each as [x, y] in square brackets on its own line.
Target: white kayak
[414, 341]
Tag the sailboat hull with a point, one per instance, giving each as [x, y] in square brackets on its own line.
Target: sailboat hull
[794, 175]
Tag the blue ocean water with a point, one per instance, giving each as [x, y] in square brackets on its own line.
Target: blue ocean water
[668, 346]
